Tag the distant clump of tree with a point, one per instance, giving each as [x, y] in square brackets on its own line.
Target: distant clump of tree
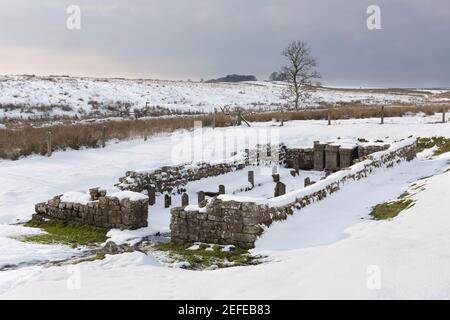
[277, 76]
[233, 78]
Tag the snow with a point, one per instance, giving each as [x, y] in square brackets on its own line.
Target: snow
[326, 222]
[76, 197]
[323, 251]
[194, 247]
[133, 196]
[15, 253]
[130, 236]
[194, 208]
[78, 94]
[227, 197]
[410, 251]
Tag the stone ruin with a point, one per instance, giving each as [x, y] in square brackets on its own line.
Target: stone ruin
[101, 211]
[231, 221]
[223, 222]
[173, 179]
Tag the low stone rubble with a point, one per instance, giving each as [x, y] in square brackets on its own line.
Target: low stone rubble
[102, 211]
[240, 223]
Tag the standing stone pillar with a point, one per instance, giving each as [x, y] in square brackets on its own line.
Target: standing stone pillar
[221, 189]
[307, 182]
[251, 178]
[167, 201]
[332, 158]
[382, 115]
[347, 156]
[151, 191]
[297, 166]
[319, 156]
[280, 189]
[276, 177]
[200, 197]
[184, 199]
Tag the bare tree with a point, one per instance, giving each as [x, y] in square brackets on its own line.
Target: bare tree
[299, 73]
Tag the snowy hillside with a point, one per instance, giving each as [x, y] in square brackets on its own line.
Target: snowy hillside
[333, 245]
[30, 96]
[311, 255]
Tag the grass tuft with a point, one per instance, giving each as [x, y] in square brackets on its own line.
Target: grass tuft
[68, 233]
[389, 210]
[442, 143]
[203, 258]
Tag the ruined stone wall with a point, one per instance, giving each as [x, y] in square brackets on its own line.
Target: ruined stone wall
[301, 157]
[364, 151]
[221, 222]
[174, 178]
[105, 212]
[240, 223]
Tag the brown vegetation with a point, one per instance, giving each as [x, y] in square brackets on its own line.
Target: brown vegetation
[28, 140]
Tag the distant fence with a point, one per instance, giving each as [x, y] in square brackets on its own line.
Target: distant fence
[15, 143]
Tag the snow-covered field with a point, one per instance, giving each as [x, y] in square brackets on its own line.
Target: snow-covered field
[80, 96]
[328, 250]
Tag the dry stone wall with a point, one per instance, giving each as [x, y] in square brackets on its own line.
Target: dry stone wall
[240, 223]
[302, 158]
[104, 212]
[221, 222]
[172, 179]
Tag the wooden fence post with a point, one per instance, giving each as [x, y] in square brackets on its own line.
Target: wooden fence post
[329, 117]
[443, 113]
[382, 115]
[103, 140]
[49, 143]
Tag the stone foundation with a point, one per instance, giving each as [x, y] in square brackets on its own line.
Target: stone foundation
[302, 158]
[220, 222]
[173, 178]
[240, 223]
[104, 212]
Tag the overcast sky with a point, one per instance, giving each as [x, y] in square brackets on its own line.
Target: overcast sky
[193, 39]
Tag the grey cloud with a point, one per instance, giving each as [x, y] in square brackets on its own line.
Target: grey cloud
[202, 39]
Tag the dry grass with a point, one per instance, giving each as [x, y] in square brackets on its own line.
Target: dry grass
[348, 112]
[29, 140]
[15, 143]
